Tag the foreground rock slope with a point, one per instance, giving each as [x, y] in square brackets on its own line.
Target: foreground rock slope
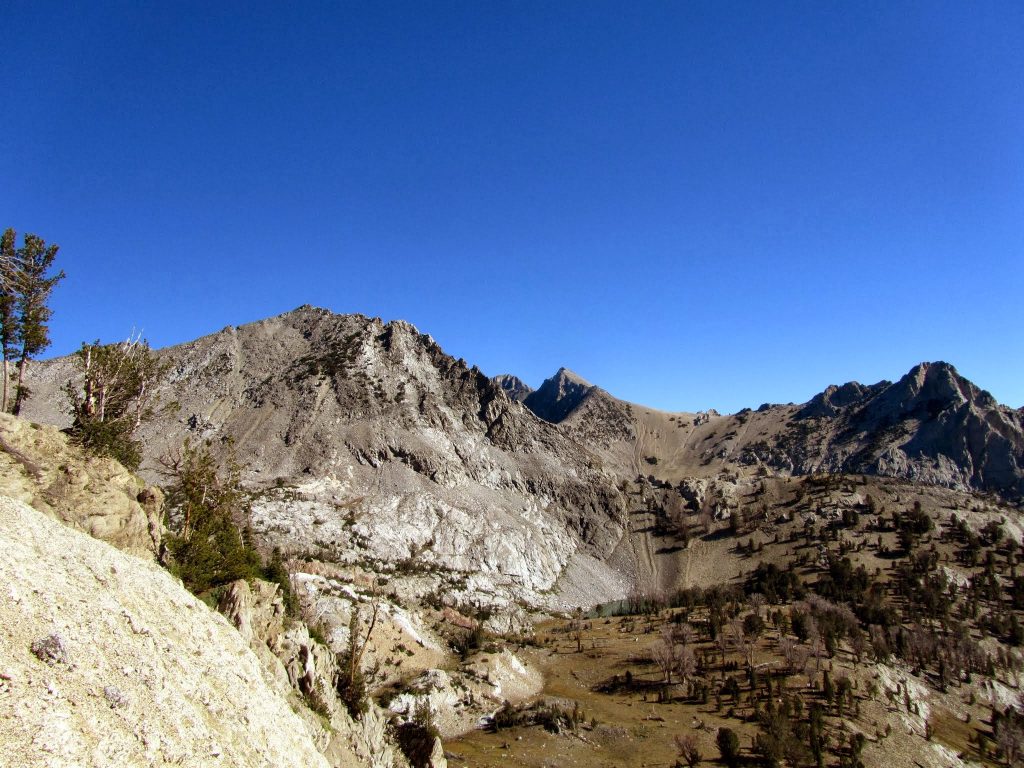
[108, 661]
[101, 498]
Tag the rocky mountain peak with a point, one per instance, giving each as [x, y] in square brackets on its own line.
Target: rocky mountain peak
[928, 388]
[566, 377]
[514, 387]
[933, 388]
[559, 396]
[932, 425]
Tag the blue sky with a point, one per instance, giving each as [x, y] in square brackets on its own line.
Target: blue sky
[693, 205]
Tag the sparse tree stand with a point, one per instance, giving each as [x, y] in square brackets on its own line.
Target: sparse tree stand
[25, 288]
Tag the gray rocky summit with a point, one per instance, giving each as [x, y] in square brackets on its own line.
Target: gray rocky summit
[931, 426]
[404, 448]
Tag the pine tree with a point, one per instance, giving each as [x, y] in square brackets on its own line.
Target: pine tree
[206, 503]
[728, 746]
[351, 681]
[8, 324]
[27, 288]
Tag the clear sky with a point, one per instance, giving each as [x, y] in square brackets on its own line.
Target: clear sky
[693, 205]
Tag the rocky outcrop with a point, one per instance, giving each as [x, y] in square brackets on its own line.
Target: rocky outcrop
[305, 670]
[38, 465]
[460, 699]
[833, 399]
[108, 661]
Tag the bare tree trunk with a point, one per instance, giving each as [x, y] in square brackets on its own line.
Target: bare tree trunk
[140, 407]
[19, 391]
[7, 379]
[87, 402]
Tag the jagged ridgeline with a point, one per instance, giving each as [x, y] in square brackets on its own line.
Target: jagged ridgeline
[371, 444]
[932, 426]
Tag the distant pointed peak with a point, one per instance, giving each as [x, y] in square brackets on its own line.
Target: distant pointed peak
[564, 374]
[513, 386]
[558, 396]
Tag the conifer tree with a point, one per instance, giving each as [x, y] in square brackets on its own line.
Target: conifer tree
[207, 502]
[26, 283]
[728, 746]
[8, 326]
[351, 682]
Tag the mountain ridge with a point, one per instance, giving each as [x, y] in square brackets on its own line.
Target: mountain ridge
[961, 425]
[398, 452]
